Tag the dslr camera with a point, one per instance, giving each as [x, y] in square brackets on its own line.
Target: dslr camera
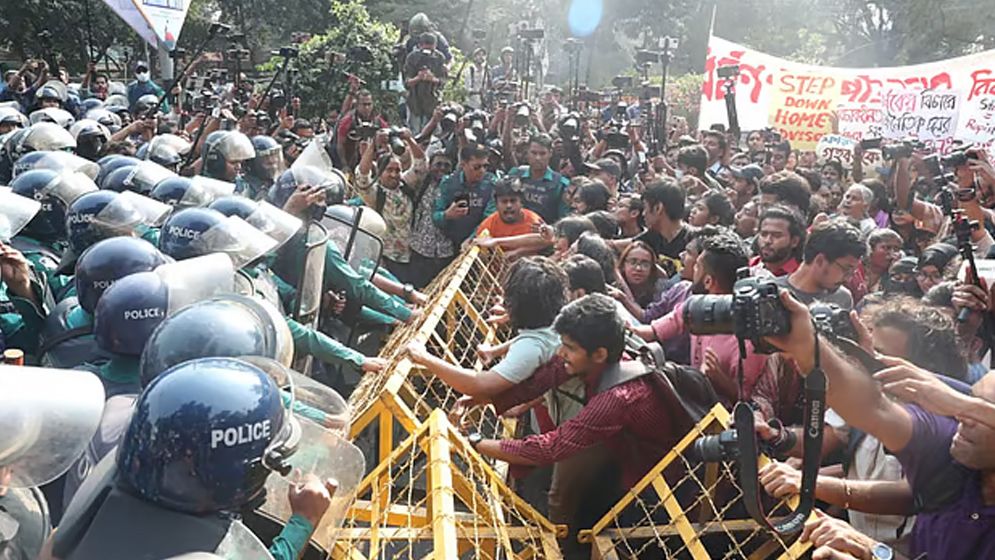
[832, 320]
[569, 127]
[523, 114]
[959, 157]
[363, 130]
[476, 126]
[753, 311]
[724, 446]
[397, 145]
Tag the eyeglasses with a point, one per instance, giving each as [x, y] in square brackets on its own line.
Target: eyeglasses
[846, 270]
[934, 276]
[639, 264]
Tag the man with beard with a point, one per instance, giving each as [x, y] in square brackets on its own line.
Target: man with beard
[780, 238]
[716, 355]
[831, 256]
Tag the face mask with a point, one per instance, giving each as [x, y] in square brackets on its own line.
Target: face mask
[142, 76]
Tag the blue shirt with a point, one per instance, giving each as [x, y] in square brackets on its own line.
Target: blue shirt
[481, 203]
[137, 89]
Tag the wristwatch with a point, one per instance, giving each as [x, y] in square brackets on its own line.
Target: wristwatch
[408, 290]
[474, 438]
[881, 551]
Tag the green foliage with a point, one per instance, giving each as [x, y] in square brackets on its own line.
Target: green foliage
[455, 89]
[684, 95]
[322, 84]
[21, 23]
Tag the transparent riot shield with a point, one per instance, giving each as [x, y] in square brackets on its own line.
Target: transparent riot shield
[360, 248]
[239, 543]
[309, 286]
[323, 451]
[315, 155]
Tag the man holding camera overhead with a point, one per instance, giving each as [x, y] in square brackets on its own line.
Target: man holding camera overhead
[424, 74]
[362, 122]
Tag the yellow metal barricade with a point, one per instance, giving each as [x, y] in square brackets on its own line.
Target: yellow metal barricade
[685, 509]
[451, 328]
[435, 497]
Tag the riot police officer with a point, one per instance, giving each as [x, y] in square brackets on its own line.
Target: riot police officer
[263, 170]
[181, 192]
[67, 338]
[21, 314]
[56, 161]
[43, 136]
[91, 136]
[168, 150]
[222, 156]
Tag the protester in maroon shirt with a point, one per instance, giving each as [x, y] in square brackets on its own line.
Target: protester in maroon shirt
[637, 420]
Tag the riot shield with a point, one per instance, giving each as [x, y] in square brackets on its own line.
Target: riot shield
[360, 248]
[309, 286]
[47, 417]
[323, 450]
[315, 155]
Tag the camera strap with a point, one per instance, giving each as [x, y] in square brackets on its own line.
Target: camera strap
[815, 408]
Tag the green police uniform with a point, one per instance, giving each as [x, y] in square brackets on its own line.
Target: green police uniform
[20, 323]
[44, 258]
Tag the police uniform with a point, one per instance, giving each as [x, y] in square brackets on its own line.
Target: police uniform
[543, 195]
[67, 338]
[45, 257]
[20, 321]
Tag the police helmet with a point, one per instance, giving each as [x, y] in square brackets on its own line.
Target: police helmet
[180, 192]
[110, 260]
[145, 103]
[91, 136]
[224, 146]
[268, 163]
[15, 213]
[11, 116]
[205, 436]
[333, 183]
[263, 216]
[110, 163]
[227, 325]
[55, 191]
[46, 136]
[168, 150]
[198, 231]
[104, 214]
[131, 308]
[116, 103]
[89, 104]
[115, 180]
[144, 176]
[104, 117]
[53, 89]
[53, 115]
[56, 161]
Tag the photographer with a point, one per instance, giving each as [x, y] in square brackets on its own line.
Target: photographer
[95, 83]
[543, 186]
[831, 255]
[20, 85]
[360, 123]
[393, 193]
[715, 272]
[933, 447]
[424, 73]
[431, 250]
[476, 80]
[504, 72]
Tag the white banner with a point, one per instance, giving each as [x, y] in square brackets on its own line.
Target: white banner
[135, 18]
[158, 22]
[936, 102]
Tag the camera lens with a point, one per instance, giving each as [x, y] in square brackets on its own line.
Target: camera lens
[715, 448]
[709, 314]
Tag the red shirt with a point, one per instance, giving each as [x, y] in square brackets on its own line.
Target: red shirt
[636, 421]
[345, 125]
[785, 269]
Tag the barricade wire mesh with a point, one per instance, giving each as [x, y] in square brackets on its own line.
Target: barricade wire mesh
[435, 497]
[685, 509]
[453, 325]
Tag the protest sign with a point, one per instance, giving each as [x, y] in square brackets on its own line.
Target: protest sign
[936, 102]
[158, 22]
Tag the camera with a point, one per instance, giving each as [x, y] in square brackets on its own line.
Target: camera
[622, 82]
[397, 145]
[870, 143]
[523, 114]
[901, 150]
[644, 57]
[363, 130]
[476, 127]
[288, 52]
[531, 34]
[959, 157]
[360, 53]
[727, 72]
[753, 311]
[833, 320]
[723, 446]
[569, 127]
[614, 135]
[934, 165]
[478, 34]
[450, 116]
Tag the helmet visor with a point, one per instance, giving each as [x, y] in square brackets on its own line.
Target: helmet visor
[47, 417]
[270, 163]
[236, 146]
[274, 222]
[195, 197]
[314, 155]
[215, 188]
[145, 176]
[59, 161]
[69, 186]
[234, 236]
[15, 213]
[45, 136]
[196, 279]
[151, 212]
